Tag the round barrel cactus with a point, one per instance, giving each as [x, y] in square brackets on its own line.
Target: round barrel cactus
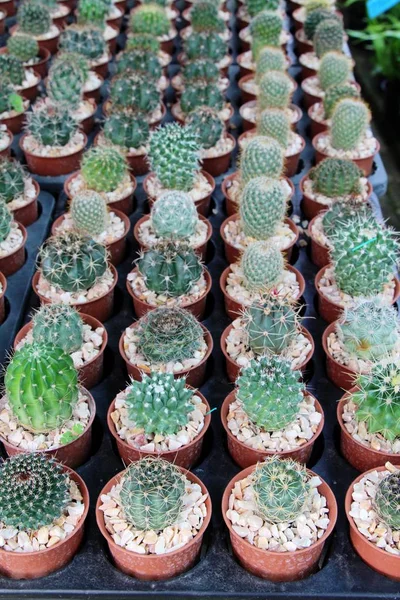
[201, 69]
[86, 41]
[51, 124]
[124, 128]
[336, 177]
[104, 168]
[204, 16]
[174, 216]
[23, 46]
[150, 19]
[328, 37]
[143, 41]
[386, 501]
[58, 325]
[12, 180]
[134, 91]
[33, 18]
[335, 93]
[11, 69]
[201, 94]
[65, 84]
[139, 61]
[207, 125]
[271, 326]
[275, 90]
[205, 45]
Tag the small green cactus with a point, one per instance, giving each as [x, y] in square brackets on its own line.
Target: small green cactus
[139, 61]
[135, 91]
[275, 90]
[265, 30]
[51, 124]
[207, 125]
[205, 45]
[204, 16]
[89, 212]
[58, 325]
[150, 19]
[104, 168]
[5, 221]
[23, 46]
[262, 266]
[33, 18]
[12, 180]
[315, 17]
[86, 41]
[335, 93]
[201, 94]
[65, 83]
[9, 99]
[262, 156]
[344, 212]
[334, 69]
[11, 69]
[144, 42]
[386, 501]
[73, 59]
[202, 69]
[350, 121]
[270, 59]
[271, 326]
[256, 6]
[328, 37]
[262, 207]
[336, 177]
[93, 13]
[174, 216]
[274, 123]
[124, 128]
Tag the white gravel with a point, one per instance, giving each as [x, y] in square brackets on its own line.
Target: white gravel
[26, 197]
[359, 431]
[287, 287]
[367, 147]
[224, 145]
[235, 236]
[308, 187]
[12, 242]
[200, 190]
[148, 238]
[57, 295]
[138, 286]
[114, 231]
[125, 188]
[248, 112]
[75, 144]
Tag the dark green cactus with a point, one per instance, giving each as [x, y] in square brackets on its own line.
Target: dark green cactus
[58, 325]
[135, 91]
[139, 61]
[202, 69]
[271, 325]
[204, 16]
[336, 177]
[144, 42]
[11, 69]
[87, 41]
[335, 93]
[12, 180]
[51, 125]
[205, 45]
[150, 19]
[201, 94]
[33, 18]
[125, 129]
[5, 221]
[23, 46]
[387, 500]
[207, 125]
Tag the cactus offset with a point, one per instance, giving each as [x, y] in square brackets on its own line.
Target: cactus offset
[271, 325]
[262, 207]
[274, 123]
[262, 266]
[89, 212]
[275, 90]
[23, 46]
[336, 177]
[124, 128]
[58, 325]
[350, 121]
[174, 216]
[5, 221]
[334, 70]
[104, 168]
[335, 93]
[12, 180]
[387, 500]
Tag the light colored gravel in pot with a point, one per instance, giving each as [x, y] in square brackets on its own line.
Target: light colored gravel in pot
[294, 146]
[317, 233]
[115, 228]
[359, 431]
[308, 187]
[310, 60]
[93, 82]
[234, 187]
[245, 60]
[148, 238]
[5, 139]
[200, 190]
[57, 295]
[367, 147]
[236, 237]
[224, 145]
[97, 62]
[125, 188]
[26, 197]
[284, 38]
[138, 286]
[223, 114]
[30, 80]
[33, 146]
[85, 110]
[286, 287]
[188, 31]
[115, 12]
[251, 86]
[49, 35]
[101, 140]
[317, 113]
[249, 112]
[9, 114]
[60, 11]
[12, 242]
[110, 33]
[178, 83]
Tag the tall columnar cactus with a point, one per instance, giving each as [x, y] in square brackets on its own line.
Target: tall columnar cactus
[328, 37]
[262, 156]
[33, 18]
[11, 69]
[256, 6]
[334, 69]
[275, 90]
[89, 212]
[87, 41]
[281, 489]
[124, 128]
[270, 392]
[335, 93]
[12, 180]
[23, 46]
[205, 45]
[160, 404]
[174, 156]
[174, 216]
[345, 213]
[270, 59]
[72, 262]
[92, 12]
[5, 221]
[135, 91]
[377, 398]
[274, 123]
[204, 16]
[271, 325]
[314, 18]
[201, 69]
[151, 19]
[33, 491]
[262, 207]
[58, 325]
[386, 501]
[336, 177]
[265, 30]
[169, 335]
[207, 125]
[51, 124]
[143, 41]
[262, 266]
[152, 494]
[10, 100]
[169, 269]
[104, 168]
[139, 61]
[41, 385]
[350, 120]
[65, 84]
[201, 94]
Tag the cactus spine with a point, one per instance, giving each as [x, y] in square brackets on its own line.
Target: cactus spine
[262, 207]
[261, 156]
[271, 325]
[58, 325]
[262, 266]
[386, 501]
[174, 216]
[350, 120]
[89, 213]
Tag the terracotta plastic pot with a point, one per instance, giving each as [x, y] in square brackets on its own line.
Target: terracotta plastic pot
[12, 262]
[102, 69]
[26, 215]
[42, 66]
[302, 46]
[31, 93]
[194, 375]
[316, 127]
[10, 8]
[3, 289]
[319, 253]
[70, 3]
[112, 43]
[233, 254]
[87, 125]
[219, 164]
[168, 46]
[339, 374]
[6, 151]
[16, 123]
[309, 99]
[52, 166]
[61, 21]
[125, 205]
[243, 71]
[184, 457]
[279, 566]
[307, 72]
[138, 164]
[196, 308]
[200, 250]
[91, 372]
[365, 164]
[245, 456]
[101, 308]
[232, 367]
[154, 566]
[246, 124]
[378, 559]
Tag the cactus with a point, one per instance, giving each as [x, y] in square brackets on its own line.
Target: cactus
[11, 69]
[41, 385]
[33, 18]
[262, 266]
[386, 501]
[23, 46]
[201, 94]
[169, 269]
[86, 41]
[328, 37]
[202, 69]
[350, 120]
[205, 45]
[270, 59]
[207, 125]
[93, 13]
[123, 128]
[265, 30]
[51, 125]
[74, 60]
[274, 123]
[270, 392]
[174, 216]
[152, 494]
[9, 99]
[159, 404]
[139, 61]
[315, 17]
[334, 70]
[34, 491]
[12, 180]
[335, 93]
[174, 156]
[150, 19]
[169, 335]
[58, 325]
[72, 262]
[271, 326]
[262, 156]
[5, 221]
[144, 42]
[336, 177]
[256, 6]
[344, 212]
[262, 207]
[89, 212]
[275, 90]
[204, 17]
[65, 83]
[104, 168]
[135, 91]
[281, 489]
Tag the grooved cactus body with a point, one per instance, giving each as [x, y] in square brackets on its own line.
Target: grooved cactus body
[265, 30]
[335, 93]
[202, 69]
[174, 216]
[92, 12]
[12, 180]
[33, 18]
[58, 325]
[387, 500]
[139, 61]
[262, 207]
[344, 212]
[334, 69]
[143, 41]
[256, 6]
[5, 221]
[201, 94]
[314, 18]
[135, 91]
[270, 59]
[336, 177]
[150, 19]
[65, 83]
[328, 37]
[205, 45]
[86, 41]
[275, 90]
[274, 123]
[207, 125]
[262, 156]
[23, 46]
[262, 266]
[51, 124]
[11, 69]
[104, 168]
[271, 325]
[124, 128]
[204, 16]
[350, 120]
[89, 212]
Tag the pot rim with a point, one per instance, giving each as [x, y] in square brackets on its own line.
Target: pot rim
[306, 178]
[109, 204]
[214, 158]
[24, 237]
[292, 106]
[209, 178]
[324, 154]
[3, 283]
[124, 218]
[51, 158]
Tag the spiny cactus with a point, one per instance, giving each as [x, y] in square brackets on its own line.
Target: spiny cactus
[334, 69]
[350, 120]
[23, 46]
[33, 491]
[174, 216]
[41, 385]
[262, 266]
[33, 18]
[92, 12]
[124, 128]
[207, 125]
[160, 404]
[152, 494]
[328, 37]
[314, 18]
[202, 69]
[201, 94]
[74, 60]
[9, 99]
[12, 180]
[335, 93]
[143, 41]
[205, 45]
[265, 30]
[270, 59]
[387, 500]
[256, 6]
[11, 69]
[174, 156]
[150, 19]
[72, 262]
[87, 41]
[281, 489]
[5, 221]
[271, 325]
[89, 212]
[169, 334]
[275, 90]
[345, 212]
[204, 16]
[51, 124]
[262, 207]
[274, 123]
[65, 83]
[262, 156]
[104, 168]
[336, 177]
[270, 392]
[139, 61]
[58, 325]
[135, 91]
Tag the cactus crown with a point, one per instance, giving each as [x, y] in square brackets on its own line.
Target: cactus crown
[174, 216]
[11, 69]
[262, 266]
[51, 124]
[23, 46]
[387, 500]
[270, 59]
[345, 212]
[33, 18]
[12, 180]
[86, 41]
[335, 93]
[350, 120]
[104, 168]
[270, 392]
[151, 19]
[143, 41]
[201, 94]
[41, 385]
[256, 6]
[334, 70]
[328, 37]
[33, 491]
[271, 325]
[152, 494]
[275, 90]
[281, 489]
[204, 16]
[265, 30]
[205, 45]
[207, 125]
[5, 221]
[65, 83]
[123, 128]
[135, 91]
[169, 334]
[274, 123]
[92, 12]
[262, 207]
[336, 177]
[202, 69]
[89, 212]
[315, 17]
[261, 156]
[58, 325]
[160, 404]
[139, 61]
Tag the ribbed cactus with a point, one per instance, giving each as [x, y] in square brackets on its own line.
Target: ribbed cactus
[207, 125]
[23, 46]
[160, 404]
[89, 212]
[270, 59]
[345, 213]
[274, 123]
[87, 41]
[41, 385]
[201, 94]
[33, 491]
[262, 156]
[33, 18]
[51, 124]
[256, 6]
[5, 221]
[152, 494]
[328, 37]
[336, 177]
[65, 83]
[104, 168]
[72, 262]
[262, 207]
[58, 325]
[169, 269]
[314, 18]
[270, 392]
[335, 93]
[204, 17]
[386, 501]
[143, 41]
[74, 60]
[124, 128]
[11, 69]
[202, 69]
[265, 30]
[174, 216]
[169, 334]
[271, 325]
[9, 99]
[12, 180]
[139, 61]
[262, 266]
[92, 12]
[275, 90]
[205, 45]
[134, 91]
[151, 19]
[334, 69]
[281, 489]
[350, 120]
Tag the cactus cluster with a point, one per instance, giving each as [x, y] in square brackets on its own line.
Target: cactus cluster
[5, 221]
[350, 120]
[387, 500]
[275, 90]
[58, 325]
[89, 212]
[205, 45]
[23, 46]
[86, 41]
[207, 126]
[271, 326]
[33, 18]
[150, 19]
[132, 90]
[334, 70]
[174, 216]
[51, 124]
[262, 156]
[12, 180]
[124, 128]
[262, 207]
[11, 69]
[336, 177]
[274, 123]
[262, 266]
[328, 37]
[104, 168]
[335, 93]
[265, 30]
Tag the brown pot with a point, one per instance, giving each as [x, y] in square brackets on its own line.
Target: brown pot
[219, 164]
[10, 8]
[61, 22]
[71, 4]
[243, 71]
[138, 163]
[3, 289]
[50, 44]
[249, 96]
[200, 250]
[101, 308]
[307, 72]
[309, 99]
[317, 127]
[194, 375]
[12, 262]
[365, 164]
[279, 566]
[152, 566]
[50, 166]
[26, 215]
[6, 151]
[42, 66]
[250, 124]
[16, 123]
[378, 559]
[92, 371]
[203, 205]
[87, 125]
[184, 457]
[233, 254]
[31, 93]
[302, 46]
[196, 308]
[245, 456]
[177, 115]
[102, 69]
[112, 43]
[233, 369]
[168, 46]
[320, 255]
[125, 205]
[339, 374]
[95, 94]
[295, 16]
